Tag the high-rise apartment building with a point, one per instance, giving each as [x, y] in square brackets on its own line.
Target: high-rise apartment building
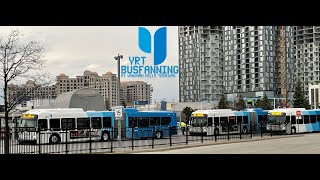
[307, 48]
[258, 61]
[135, 91]
[200, 63]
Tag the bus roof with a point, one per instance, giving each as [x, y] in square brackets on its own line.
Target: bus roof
[215, 112]
[32, 111]
[287, 110]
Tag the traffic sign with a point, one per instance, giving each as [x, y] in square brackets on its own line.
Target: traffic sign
[118, 113]
[298, 113]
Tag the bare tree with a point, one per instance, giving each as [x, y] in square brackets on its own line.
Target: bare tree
[19, 59]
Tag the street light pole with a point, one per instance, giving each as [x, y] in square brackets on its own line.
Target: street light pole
[118, 58]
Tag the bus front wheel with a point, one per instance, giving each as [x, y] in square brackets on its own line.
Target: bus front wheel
[105, 136]
[293, 130]
[158, 134]
[54, 139]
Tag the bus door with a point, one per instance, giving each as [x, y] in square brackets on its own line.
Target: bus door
[210, 130]
[253, 120]
[233, 127]
[223, 125]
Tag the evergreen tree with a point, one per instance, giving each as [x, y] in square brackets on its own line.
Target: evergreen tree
[299, 100]
[241, 105]
[266, 104]
[258, 104]
[187, 111]
[223, 103]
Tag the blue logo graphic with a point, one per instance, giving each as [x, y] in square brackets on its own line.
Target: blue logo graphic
[160, 43]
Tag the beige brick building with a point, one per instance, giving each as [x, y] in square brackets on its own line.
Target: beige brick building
[106, 85]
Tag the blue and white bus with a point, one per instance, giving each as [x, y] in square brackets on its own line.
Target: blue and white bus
[69, 124]
[146, 124]
[215, 121]
[285, 120]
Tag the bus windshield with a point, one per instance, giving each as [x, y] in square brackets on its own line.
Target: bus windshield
[28, 121]
[196, 121]
[276, 119]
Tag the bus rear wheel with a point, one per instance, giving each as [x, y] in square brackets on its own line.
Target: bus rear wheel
[54, 139]
[158, 134]
[105, 136]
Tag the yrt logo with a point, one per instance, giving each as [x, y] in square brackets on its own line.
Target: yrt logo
[159, 45]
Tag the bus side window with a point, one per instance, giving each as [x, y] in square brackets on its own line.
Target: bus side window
[293, 120]
[245, 120]
[143, 122]
[55, 124]
[83, 123]
[313, 118]
[68, 123]
[43, 124]
[96, 123]
[132, 122]
[106, 122]
[239, 119]
[165, 120]
[154, 121]
[210, 121]
[216, 121]
[306, 119]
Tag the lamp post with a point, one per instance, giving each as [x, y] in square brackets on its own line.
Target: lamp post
[118, 58]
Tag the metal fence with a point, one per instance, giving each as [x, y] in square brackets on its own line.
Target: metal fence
[35, 141]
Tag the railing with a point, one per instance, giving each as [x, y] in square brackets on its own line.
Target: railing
[71, 141]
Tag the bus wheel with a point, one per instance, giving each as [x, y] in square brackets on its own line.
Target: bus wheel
[158, 134]
[244, 130]
[293, 130]
[105, 136]
[216, 132]
[54, 139]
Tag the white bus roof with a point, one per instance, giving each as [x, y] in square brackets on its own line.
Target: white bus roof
[216, 112]
[58, 113]
[287, 110]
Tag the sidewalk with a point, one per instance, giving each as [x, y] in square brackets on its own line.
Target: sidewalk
[199, 144]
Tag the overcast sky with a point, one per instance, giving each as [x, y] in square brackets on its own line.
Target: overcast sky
[74, 49]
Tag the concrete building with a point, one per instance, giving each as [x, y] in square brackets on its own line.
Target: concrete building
[86, 98]
[313, 94]
[258, 61]
[31, 91]
[135, 91]
[200, 63]
[106, 84]
[307, 48]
